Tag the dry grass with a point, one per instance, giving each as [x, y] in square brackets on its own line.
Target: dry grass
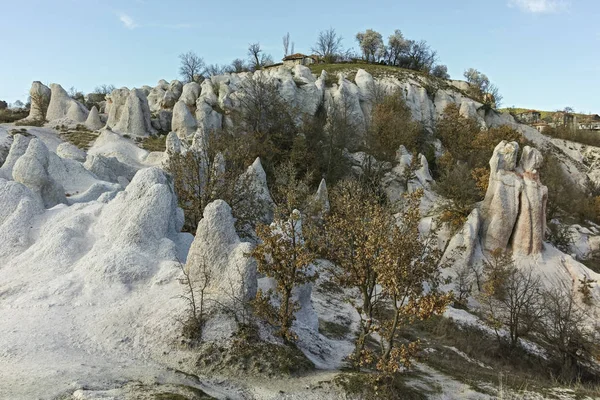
[153, 143]
[81, 136]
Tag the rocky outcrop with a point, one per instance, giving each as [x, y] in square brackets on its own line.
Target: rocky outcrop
[63, 106]
[514, 208]
[17, 149]
[115, 101]
[135, 115]
[253, 194]
[31, 169]
[93, 121]
[321, 200]
[218, 251]
[191, 92]
[183, 123]
[109, 169]
[71, 152]
[40, 100]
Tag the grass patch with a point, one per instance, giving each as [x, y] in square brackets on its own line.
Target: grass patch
[9, 116]
[334, 330]
[81, 136]
[365, 385]
[154, 143]
[486, 362]
[249, 355]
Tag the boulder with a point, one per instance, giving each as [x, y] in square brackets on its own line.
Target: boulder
[31, 169]
[135, 115]
[191, 92]
[109, 169]
[93, 121]
[71, 152]
[164, 120]
[183, 122]
[62, 105]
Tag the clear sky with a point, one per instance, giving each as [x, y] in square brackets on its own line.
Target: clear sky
[542, 54]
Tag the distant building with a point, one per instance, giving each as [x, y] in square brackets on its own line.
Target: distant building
[540, 126]
[300, 59]
[590, 122]
[529, 117]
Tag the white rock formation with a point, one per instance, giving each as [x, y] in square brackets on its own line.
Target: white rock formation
[218, 248]
[253, 193]
[17, 149]
[31, 169]
[93, 121]
[183, 123]
[191, 92]
[514, 208]
[115, 102]
[135, 115]
[62, 105]
[69, 151]
[40, 99]
[321, 200]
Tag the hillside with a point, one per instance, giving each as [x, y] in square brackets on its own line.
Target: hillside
[221, 240]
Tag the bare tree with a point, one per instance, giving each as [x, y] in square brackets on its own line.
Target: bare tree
[418, 56]
[257, 58]
[292, 49]
[510, 297]
[195, 296]
[566, 333]
[286, 44]
[104, 89]
[191, 67]
[216, 69]
[328, 45]
[238, 65]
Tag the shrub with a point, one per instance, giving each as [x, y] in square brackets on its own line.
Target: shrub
[391, 126]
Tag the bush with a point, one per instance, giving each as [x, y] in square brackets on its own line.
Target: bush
[391, 126]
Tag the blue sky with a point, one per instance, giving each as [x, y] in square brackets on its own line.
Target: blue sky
[542, 54]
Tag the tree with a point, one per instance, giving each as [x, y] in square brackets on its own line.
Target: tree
[286, 44]
[418, 56]
[356, 230]
[104, 89]
[564, 327]
[76, 94]
[328, 45]
[397, 45]
[411, 263]
[282, 253]
[257, 58]
[440, 71]
[511, 297]
[18, 104]
[195, 296]
[191, 67]
[216, 69]
[371, 44]
[482, 89]
[238, 65]
[391, 126]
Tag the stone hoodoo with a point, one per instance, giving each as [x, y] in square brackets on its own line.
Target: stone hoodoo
[514, 208]
[62, 105]
[135, 115]
[40, 99]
